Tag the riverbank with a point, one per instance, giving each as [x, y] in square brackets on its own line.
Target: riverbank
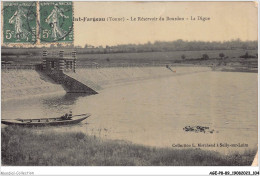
[29, 147]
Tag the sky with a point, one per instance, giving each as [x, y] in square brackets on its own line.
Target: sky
[228, 20]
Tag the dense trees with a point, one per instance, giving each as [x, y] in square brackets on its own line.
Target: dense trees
[205, 57]
[221, 55]
[178, 45]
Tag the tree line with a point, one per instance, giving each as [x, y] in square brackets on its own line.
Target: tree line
[162, 46]
[181, 45]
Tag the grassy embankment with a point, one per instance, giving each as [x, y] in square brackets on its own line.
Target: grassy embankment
[25, 147]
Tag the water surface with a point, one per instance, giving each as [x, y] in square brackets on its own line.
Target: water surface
[154, 112]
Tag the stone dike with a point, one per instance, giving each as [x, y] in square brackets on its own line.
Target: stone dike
[101, 78]
[19, 84]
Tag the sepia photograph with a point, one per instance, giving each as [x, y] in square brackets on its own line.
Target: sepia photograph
[129, 84]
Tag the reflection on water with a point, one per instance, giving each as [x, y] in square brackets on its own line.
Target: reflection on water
[154, 112]
[67, 99]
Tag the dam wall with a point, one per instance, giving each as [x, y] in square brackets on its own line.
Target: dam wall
[30, 83]
[100, 78]
[19, 84]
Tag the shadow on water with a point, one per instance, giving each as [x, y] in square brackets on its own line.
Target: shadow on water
[62, 104]
[42, 107]
[67, 99]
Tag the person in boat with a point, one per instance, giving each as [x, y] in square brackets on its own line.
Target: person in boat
[67, 116]
[64, 117]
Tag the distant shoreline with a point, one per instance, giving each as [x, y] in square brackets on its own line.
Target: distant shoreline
[233, 58]
[234, 69]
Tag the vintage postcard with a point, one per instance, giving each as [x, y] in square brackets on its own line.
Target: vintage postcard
[129, 84]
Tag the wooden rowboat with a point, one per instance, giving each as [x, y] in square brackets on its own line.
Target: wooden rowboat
[46, 121]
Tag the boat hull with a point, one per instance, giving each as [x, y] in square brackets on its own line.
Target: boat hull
[45, 122]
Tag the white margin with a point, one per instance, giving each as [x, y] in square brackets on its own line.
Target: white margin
[125, 170]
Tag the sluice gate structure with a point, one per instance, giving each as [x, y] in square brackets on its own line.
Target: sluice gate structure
[56, 65]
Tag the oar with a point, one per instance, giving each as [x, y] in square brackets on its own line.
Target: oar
[79, 115]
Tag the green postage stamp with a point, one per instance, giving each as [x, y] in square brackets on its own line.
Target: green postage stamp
[56, 22]
[37, 22]
[19, 22]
